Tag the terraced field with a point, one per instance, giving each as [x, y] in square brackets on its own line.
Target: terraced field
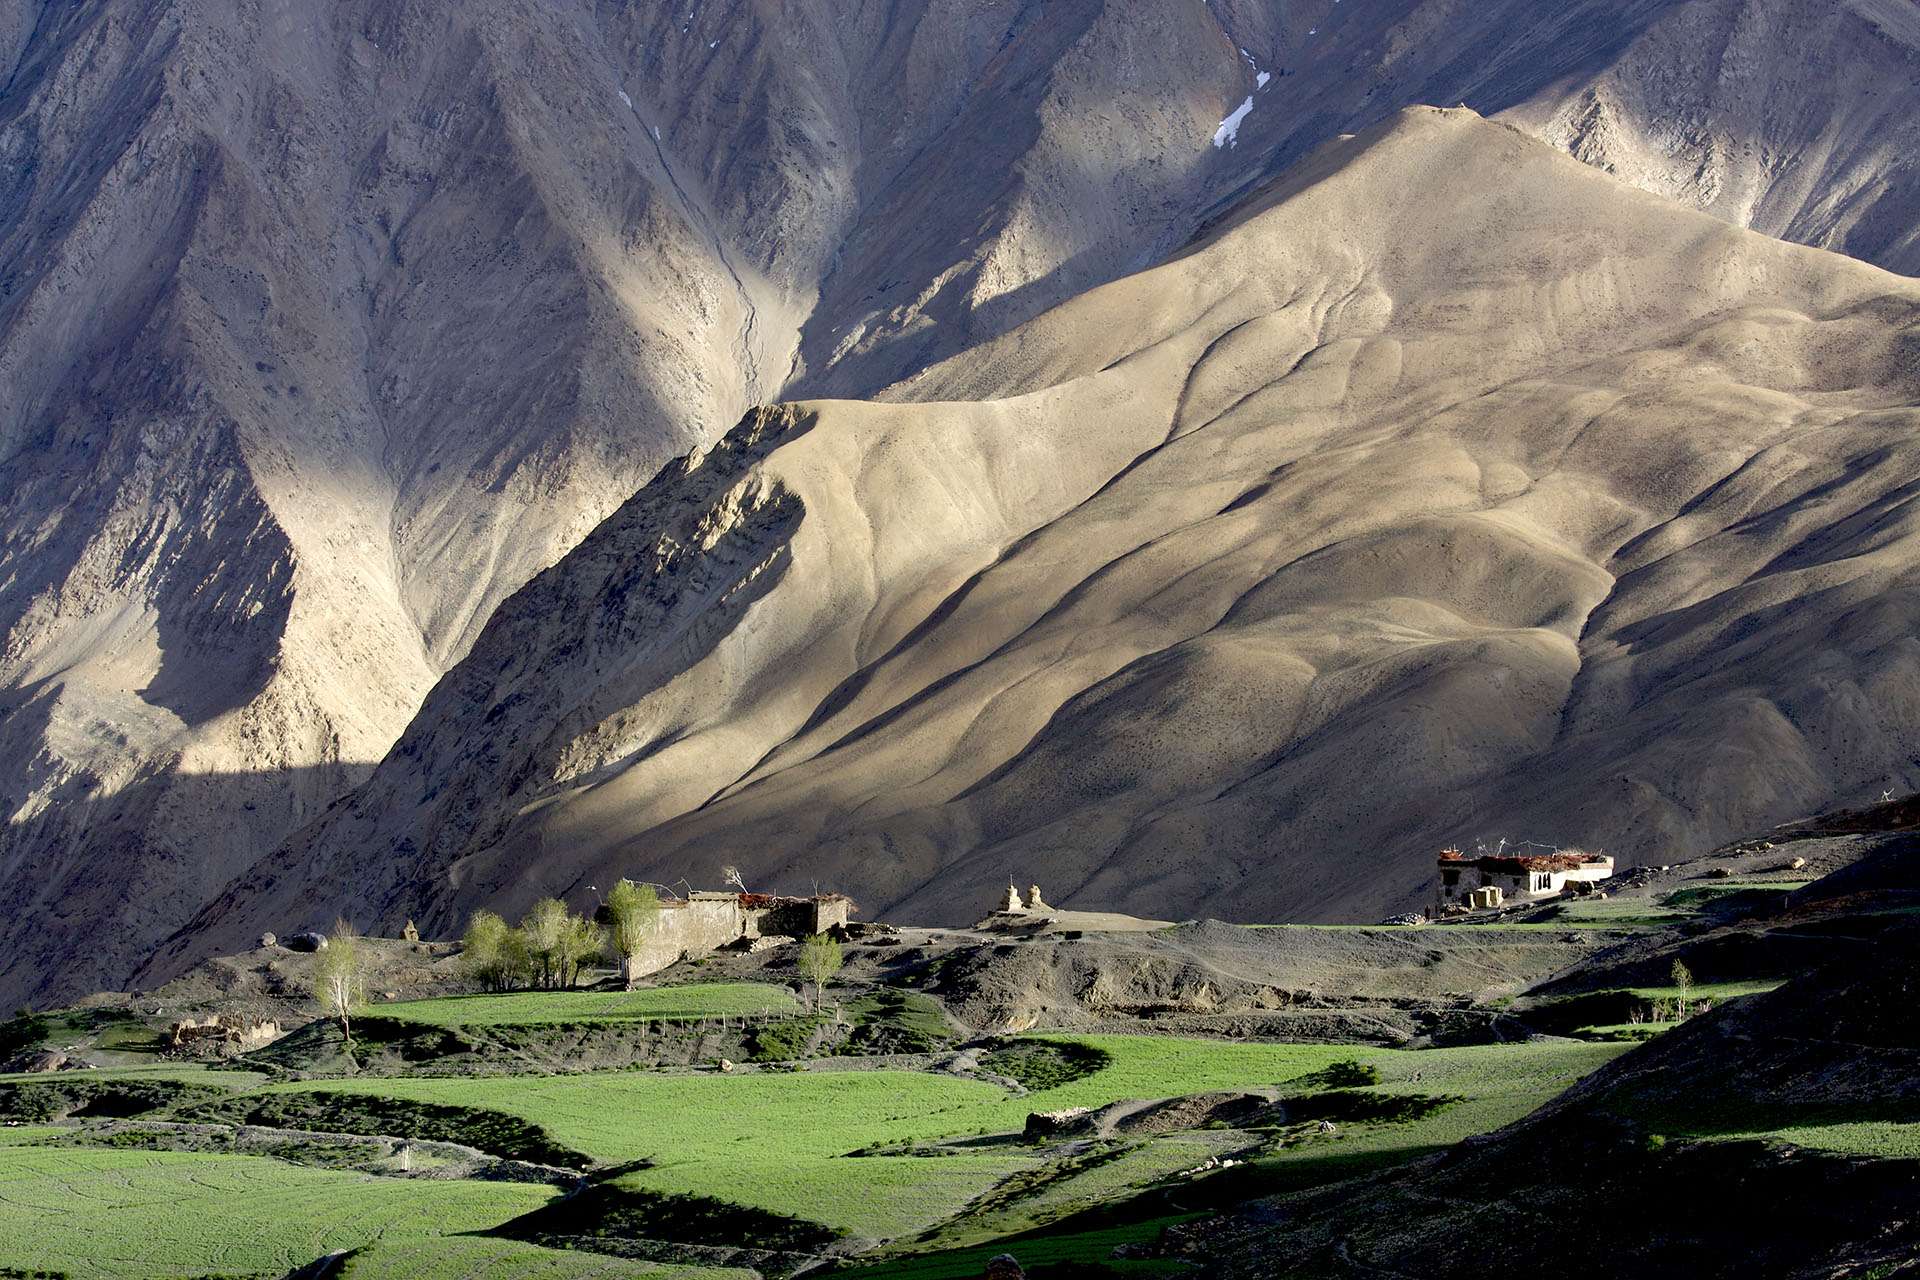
[874, 1197]
[702, 1000]
[183, 1073]
[92, 1212]
[1886, 1139]
[781, 1141]
[484, 1258]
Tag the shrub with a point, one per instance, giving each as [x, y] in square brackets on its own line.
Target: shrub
[1044, 1064]
[1348, 1074]
[611, 1211]
[785, 1040]
[22, 1033]
[494, 1132]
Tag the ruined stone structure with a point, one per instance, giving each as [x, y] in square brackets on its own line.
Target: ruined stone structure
[1493, 881]
[224, 1034]
[706, 922]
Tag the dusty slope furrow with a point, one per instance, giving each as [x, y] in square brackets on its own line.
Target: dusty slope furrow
[458, 278]
[1482, 560]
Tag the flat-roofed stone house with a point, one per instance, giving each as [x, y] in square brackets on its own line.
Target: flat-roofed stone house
[1519, 877]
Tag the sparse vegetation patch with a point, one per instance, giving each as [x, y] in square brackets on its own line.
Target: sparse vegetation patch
[80, 1097]
[1045, 1064]
[494, 1132]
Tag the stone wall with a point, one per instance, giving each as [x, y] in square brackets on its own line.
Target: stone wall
[709, 921]
[689, 929]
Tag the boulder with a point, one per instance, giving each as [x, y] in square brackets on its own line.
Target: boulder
[1005, 1267]
[1048, 1124]
[269, 940]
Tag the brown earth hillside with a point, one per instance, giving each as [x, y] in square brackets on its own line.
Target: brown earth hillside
[1447, 488]
[323, 328]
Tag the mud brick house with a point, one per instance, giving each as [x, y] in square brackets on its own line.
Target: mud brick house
[705, 922]
[1496, 879]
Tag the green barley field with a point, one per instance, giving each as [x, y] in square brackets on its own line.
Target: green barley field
[484, 1258]
[93, 1212]
[783, 1141]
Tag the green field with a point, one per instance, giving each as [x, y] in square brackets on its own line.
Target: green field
[883, 1155]
[1039, 1251]
[780, 1140]
[1626, 1031]
[1863, 1138]
[483, 1258]
[878, 1197]
[185, 1074]
[91, 1212]
[703, 1000]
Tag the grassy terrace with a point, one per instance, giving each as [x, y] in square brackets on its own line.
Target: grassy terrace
[93, 1212]
[183, 1074]
[1714, 991]
[704, 1000]
[779, 1140]
[1886, 1138]
[480, 1258]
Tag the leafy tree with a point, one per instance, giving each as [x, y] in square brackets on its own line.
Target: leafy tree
[545, 929]
[1683, 987]
[492, 954]
[516, 963]
[580, 941]
[632, 911]
[820, 959]
[339, 976]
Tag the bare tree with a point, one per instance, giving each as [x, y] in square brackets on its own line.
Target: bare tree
[339, 976]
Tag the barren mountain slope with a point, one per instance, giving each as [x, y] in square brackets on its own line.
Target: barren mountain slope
[1555, 511]
[322, 328]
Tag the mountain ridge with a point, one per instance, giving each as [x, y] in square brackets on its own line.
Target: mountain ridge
[1454, 603]
[328, 329]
